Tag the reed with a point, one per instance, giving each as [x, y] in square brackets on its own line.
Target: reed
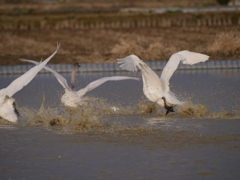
[226, 43]
[106, 45]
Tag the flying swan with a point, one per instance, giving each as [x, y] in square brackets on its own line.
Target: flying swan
[8, 108]
[157, 89]
[71, 97]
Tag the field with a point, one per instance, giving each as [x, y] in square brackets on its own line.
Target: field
[101, 36]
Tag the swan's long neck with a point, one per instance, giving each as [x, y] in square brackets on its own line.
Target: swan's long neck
[75, 66]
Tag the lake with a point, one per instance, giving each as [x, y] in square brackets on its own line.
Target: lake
[120, 134]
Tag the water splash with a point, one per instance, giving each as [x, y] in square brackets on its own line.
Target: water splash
[106, 107]
[198, 110]
[193, 110]
[99, 111]
[4, 122]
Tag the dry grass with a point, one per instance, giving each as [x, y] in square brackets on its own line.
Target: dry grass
[226, 43]
[98, 46]
[33, 5]
[155, 50]
[106, 45]
[12, 44]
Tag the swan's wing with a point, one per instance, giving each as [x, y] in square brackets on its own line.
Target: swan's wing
[23, 80]
[192, 57]
[58, 76]
[169, 69]
[130, 63]
[186, 57]
[100, 81]
[150, 78]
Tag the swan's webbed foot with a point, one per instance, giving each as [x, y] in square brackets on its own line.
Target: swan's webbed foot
[168, 108]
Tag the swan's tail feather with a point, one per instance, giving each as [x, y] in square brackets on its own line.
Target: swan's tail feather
[130, 63]
[192, 57]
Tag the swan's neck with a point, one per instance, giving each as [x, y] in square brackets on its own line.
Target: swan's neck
[73, 78]
[75, 66]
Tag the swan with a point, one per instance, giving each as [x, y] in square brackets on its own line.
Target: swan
[157, 89]
[8, 110]
[71, 97]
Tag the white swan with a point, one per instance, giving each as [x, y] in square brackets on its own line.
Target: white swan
[157, 89]
[72, 98]
[8, 109]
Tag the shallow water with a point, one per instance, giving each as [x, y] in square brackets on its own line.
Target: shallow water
[199, 141]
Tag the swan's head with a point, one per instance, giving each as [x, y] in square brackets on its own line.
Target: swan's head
[76, 65]
[8, 110]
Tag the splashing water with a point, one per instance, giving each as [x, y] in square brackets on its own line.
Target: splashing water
[83, 119]
[193, 110]
[96, 115]
[198, 110]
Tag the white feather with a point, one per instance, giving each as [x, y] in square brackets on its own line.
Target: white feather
[186, 57]
[100, 81]
[7, 109]
[73, 98]
[23, 80]
[130, 63]
[58, 76]
[156, 88]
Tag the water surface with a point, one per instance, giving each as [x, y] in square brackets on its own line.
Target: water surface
[200, 141]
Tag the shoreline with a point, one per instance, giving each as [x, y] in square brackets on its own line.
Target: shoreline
[114, 67]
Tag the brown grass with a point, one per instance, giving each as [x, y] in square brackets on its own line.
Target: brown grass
[12, 44]
[155, 50]
[107, 45]
[30, 4]
[226, 43]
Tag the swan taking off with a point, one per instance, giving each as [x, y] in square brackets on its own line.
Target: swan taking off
[8, 109]
[157, 89]
[73, 98]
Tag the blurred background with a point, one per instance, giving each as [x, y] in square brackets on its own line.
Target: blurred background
[97, 31]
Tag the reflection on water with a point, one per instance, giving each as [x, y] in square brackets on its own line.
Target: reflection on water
[121, 135]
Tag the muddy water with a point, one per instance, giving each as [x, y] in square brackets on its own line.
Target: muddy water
[121, 135]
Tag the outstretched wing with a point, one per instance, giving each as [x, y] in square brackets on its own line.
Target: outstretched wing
[100, 81]
[58, 76]
[151, 80]
[186, 57]
[130, 63]
[23, 80]
[192, 57]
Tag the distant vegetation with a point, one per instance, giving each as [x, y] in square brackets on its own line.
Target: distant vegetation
[226, 43]
[103, 35]
[223, 2]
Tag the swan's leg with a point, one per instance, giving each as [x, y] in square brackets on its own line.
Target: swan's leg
[168, 108]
